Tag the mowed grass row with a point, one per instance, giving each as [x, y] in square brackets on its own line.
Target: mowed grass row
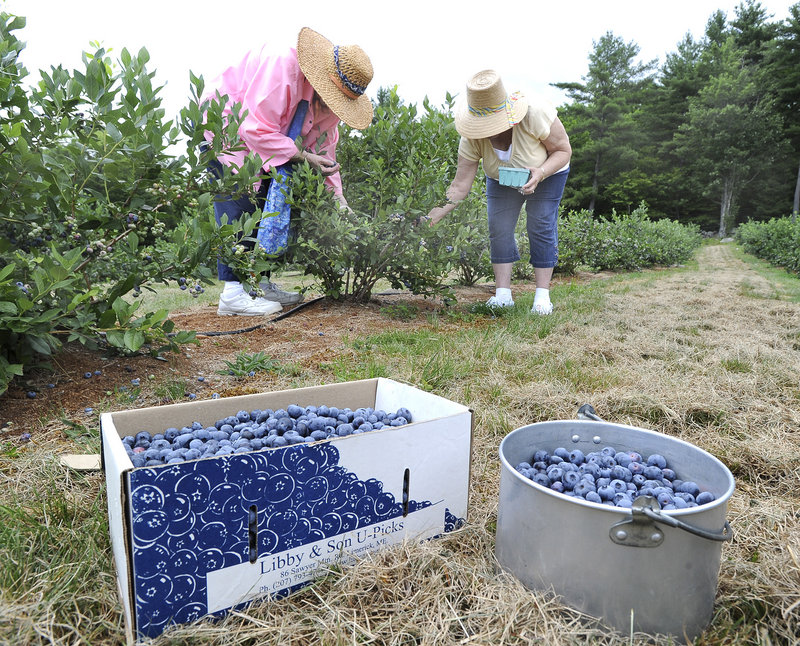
[709, 353]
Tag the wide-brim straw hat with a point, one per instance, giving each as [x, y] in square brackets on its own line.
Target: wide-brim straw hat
[340, 75]
[489, 109]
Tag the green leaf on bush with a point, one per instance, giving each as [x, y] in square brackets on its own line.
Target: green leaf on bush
[39, 344]
[133, 340]
[116, 338]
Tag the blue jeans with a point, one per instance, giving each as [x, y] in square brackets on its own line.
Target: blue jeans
[504, 204]
[234, 208]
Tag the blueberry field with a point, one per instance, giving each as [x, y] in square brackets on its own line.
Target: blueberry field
[708, 352]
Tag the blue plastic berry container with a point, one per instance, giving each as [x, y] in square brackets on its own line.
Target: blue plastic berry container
[515, 177]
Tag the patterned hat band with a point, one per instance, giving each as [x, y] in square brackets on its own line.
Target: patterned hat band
[485, 112]
[507, 106]
[350, 89]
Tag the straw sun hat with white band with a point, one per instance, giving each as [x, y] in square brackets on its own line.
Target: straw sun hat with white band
[489, 110]
[340, 75]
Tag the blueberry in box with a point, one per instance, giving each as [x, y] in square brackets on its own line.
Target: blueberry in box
[514, 176]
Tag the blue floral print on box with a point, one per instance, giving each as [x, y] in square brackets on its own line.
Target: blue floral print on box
[193, 518]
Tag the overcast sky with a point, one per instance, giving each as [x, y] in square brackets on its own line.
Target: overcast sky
[425, 47]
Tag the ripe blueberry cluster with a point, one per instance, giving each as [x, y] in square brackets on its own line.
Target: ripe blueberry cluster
[255, 430]
[194, 290]
[612, 477]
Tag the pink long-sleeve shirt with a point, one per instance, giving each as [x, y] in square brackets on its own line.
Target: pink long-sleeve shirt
[269, 88]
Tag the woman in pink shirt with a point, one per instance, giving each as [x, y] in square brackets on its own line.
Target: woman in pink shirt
[327, 81]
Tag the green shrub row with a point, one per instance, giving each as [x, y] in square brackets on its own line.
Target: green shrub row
[624, 242]
[617, 243]
[777, 241]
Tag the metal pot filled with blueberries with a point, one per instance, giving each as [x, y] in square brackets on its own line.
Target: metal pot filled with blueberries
[622, 523]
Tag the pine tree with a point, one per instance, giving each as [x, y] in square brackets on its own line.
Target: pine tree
[732, 132]
[601, 117]
[782, 64]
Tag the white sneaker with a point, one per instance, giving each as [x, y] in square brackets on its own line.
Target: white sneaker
[496, 302]
[274, 293]
[243, 305]
[543, 309]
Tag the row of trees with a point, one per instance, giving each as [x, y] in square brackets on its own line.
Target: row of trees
[712, 136]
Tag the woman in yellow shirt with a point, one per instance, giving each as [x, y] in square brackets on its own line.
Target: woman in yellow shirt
[512, 130]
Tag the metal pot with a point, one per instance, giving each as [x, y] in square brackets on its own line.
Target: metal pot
[638, 569]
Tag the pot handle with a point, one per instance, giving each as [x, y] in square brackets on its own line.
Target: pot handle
[587, 411]
[725, 534]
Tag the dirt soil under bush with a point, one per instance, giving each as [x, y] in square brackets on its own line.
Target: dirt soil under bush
[304, 336]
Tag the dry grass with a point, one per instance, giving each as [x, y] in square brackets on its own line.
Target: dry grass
[707, 354]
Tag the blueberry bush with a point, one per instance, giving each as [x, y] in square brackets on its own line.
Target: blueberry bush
[617, 243]
[393, 173]
[777, 241]
[474, 263]
[623, 241]
[93, 207]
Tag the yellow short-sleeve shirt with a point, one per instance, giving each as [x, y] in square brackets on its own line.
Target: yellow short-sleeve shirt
[527, 136]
